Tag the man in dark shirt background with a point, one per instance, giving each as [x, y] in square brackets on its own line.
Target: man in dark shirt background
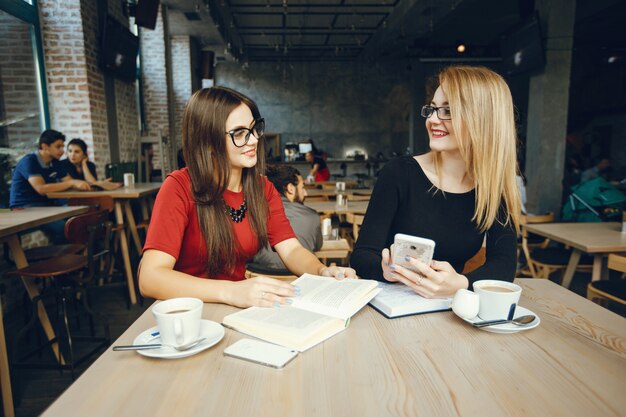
[305, 221]
[39, 173]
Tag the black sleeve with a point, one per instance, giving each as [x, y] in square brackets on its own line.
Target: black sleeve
[366, 258]
[501, 256]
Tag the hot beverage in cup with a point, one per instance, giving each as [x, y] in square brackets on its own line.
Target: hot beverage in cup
[496, 298]
[496, 288]
[178, 320]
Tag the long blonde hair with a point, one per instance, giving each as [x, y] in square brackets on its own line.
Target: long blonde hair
[484, 123]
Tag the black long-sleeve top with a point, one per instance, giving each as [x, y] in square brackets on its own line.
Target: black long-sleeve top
[405, 201]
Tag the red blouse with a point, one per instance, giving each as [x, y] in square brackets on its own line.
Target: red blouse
[175, 230]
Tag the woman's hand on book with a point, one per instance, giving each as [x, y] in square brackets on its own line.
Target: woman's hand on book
[261, 292]
[436, 280]
[338, 272]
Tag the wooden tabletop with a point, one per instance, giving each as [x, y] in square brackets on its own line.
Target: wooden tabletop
[331, 207]
[16, 221]
[136, 191]
[314, 192]
[573, 364]
[587, 237]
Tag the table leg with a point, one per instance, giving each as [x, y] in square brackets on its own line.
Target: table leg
[5, 377]
[33, 291]
[571, 268]
[132, 226]
[119, 217]
[144, 209]
[596, 271]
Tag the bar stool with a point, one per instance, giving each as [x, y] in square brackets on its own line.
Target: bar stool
[71, 274]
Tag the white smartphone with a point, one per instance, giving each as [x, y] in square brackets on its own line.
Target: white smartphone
[261, 352]
[413, 246]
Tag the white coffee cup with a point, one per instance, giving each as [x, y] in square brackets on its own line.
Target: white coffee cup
[129, 179]
[178, 320]
[465, 304]
[496, 298]
[310, 179]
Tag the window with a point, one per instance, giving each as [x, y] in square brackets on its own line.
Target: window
[22, 111]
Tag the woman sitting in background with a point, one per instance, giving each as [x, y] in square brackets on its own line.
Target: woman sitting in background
[461, 191]
[77, 165]
[212, 216]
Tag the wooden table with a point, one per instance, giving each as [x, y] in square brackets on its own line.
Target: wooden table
[315, 192]
[123, 214]
[597, 239]
[321, 184]
[12, 223]
[573, 364]
[330, 207]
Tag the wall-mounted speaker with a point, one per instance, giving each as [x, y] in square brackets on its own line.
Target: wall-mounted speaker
[146, 13]
[208, 58]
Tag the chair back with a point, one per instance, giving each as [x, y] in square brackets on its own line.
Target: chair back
[94, 230]
[356, 220]
[475, 261]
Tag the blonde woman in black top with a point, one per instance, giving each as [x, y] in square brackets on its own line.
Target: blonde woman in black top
[461, 191]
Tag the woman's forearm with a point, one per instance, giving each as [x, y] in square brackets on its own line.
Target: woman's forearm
[300, 261]
[162, 282]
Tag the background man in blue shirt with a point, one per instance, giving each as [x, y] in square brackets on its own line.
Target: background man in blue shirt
[39, 173]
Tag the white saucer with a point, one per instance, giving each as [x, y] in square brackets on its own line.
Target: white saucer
[509, 327]
[212, 331]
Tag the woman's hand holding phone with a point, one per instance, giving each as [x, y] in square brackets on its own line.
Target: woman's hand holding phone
[413, 266]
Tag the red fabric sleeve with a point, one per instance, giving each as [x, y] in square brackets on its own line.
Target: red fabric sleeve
[170, 216]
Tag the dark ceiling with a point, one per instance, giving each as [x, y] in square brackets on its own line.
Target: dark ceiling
[371, 30]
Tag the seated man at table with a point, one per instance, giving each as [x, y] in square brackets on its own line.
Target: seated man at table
[305, 221]
[39, 173]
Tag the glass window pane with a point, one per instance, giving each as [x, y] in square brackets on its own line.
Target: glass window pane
[20, 121]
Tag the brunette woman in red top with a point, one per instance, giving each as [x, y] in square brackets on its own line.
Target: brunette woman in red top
[212, 216]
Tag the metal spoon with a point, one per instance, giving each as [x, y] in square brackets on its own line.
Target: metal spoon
[180, 348]
[518, 321]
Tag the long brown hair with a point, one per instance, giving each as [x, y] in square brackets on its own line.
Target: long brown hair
[484, 123]
[205, 152]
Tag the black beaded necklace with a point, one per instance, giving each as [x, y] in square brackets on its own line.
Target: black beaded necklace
[236, 215]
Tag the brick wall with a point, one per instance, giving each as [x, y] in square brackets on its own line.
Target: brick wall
[182, 81]
[341, 106]
[155, 82]
[18, 86]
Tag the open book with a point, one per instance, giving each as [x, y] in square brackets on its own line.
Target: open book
[322, 309]
[105, 185]
[397, 300]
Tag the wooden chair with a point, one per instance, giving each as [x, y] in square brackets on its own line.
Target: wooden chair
[338, 250]
[606, 291]
[356, 220]
[70, 273]
[104, 202]
[475, 261]
[543, 260]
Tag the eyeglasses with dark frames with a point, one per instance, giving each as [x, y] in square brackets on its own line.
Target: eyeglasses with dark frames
[241, 136]
[443, 113]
